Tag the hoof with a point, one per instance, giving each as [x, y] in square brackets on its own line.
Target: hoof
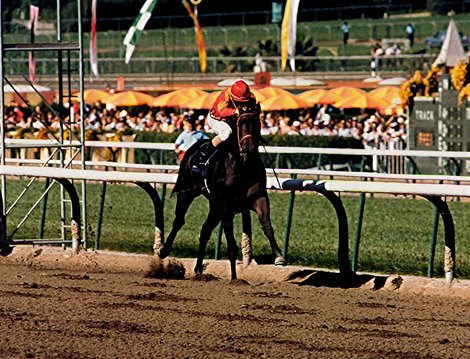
[5, 250]
[162, 253]
[246, 261]
[280, 261]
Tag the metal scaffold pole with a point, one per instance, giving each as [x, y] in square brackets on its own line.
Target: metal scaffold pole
[61, 146]
[3, 224]
[82, 122]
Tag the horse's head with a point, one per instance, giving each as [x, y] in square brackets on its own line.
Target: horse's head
[248, 132]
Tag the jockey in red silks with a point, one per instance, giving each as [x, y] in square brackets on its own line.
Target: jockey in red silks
[225, 108]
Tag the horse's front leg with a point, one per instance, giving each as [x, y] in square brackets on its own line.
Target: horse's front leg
[232, 248]
[261, 207]
[213, 219]
[183, 201]
[246, 239]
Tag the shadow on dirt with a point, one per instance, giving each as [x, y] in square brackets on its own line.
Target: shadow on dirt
[336, 280]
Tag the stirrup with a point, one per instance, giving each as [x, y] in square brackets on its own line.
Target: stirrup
[202, 162]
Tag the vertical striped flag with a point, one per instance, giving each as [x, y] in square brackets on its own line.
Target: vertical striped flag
[130, 41]
[32, 26]
[199, 38]
[93, 51]
[289, 33]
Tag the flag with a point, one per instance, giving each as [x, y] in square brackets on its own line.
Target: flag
[199, 38]
[93, 51]
[32, 26]
[130, 41]
[289, 33]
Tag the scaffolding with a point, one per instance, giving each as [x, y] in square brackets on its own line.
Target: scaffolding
[67, 145]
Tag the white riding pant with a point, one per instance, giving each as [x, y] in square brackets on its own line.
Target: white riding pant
[221, 128]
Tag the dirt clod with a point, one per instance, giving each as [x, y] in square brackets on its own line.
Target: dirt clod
[166, 269]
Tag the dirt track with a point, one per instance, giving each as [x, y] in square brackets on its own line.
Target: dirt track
[101, 305]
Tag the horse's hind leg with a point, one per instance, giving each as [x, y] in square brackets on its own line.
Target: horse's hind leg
[213, 219]
[183, 201]
[246, 239]
[232, 248]
[261, 207]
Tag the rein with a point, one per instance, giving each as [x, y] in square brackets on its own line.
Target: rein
[270, 162]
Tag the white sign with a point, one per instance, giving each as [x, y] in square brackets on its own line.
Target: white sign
[426, 115]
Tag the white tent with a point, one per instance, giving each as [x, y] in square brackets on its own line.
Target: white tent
[452, 50]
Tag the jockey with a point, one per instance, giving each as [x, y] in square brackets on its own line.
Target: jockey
[225, 107]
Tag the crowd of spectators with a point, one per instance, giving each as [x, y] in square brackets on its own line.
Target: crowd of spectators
[372, 128]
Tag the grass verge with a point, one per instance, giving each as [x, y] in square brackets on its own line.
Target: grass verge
[396, 231]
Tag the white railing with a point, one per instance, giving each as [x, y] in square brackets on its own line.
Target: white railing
[393, 157]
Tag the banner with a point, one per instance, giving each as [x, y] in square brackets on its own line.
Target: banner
[199, 38]
[93, 50]
[130, 41]
[289, 34]
[32, 26]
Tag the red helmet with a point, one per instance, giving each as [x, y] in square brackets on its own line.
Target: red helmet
[240, 91]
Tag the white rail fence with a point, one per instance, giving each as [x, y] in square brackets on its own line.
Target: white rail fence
[392, 159]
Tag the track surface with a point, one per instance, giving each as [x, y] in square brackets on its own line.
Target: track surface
[101, 305]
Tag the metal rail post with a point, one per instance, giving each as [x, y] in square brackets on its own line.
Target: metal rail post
[357, 238]
[319, 187]
[449, 237]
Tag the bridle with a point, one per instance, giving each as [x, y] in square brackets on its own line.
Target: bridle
[242, 139]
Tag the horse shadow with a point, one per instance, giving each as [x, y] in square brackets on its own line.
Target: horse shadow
[322, 278]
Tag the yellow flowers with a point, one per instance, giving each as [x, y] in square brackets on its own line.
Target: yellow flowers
[458, 74]
[405, 93]
[432, 81]
[411, 88]
[464, 94]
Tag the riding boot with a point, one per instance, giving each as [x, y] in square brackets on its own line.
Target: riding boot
[202, 158]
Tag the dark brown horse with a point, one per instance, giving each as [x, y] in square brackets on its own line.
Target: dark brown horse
[236, 184]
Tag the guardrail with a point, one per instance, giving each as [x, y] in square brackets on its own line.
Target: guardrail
[328, 188]
[33, 143]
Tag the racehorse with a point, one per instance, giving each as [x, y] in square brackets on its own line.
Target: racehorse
[236, 184]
